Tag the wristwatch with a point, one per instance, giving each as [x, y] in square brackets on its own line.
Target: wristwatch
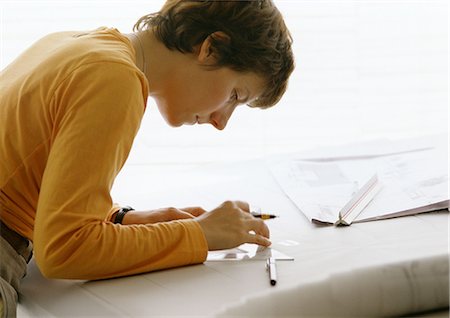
[121, 213]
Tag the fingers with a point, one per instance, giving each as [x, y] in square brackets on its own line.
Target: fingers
[258, 239]
[230, 225]
[243, 205]
[258, 226]
[240, 205]
[249, 223]
[256, 231]
[171, 214]
[183, 215]
[194, 210]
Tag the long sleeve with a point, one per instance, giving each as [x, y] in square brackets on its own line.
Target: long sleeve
[92, 135]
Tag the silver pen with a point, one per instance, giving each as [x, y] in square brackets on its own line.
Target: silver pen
[272, 268]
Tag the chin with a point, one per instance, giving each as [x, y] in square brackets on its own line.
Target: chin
[162, 108]
[172, 122]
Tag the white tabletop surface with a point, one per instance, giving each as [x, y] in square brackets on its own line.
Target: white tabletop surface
[203, 290]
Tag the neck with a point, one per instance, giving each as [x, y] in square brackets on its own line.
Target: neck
[156, 61]
[148, 57]
[140, 52]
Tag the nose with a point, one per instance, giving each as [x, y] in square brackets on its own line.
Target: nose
[219, 119]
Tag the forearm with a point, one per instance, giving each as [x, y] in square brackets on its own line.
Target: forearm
[158, 215]
[104, 250]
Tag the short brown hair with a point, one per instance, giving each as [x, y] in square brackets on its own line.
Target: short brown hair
[259, 40]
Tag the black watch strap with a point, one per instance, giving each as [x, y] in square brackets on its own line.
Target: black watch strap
[121, 213]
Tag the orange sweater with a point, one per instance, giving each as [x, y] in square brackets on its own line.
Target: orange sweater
[70, 107]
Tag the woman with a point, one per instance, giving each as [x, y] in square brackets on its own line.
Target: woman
[70, 108]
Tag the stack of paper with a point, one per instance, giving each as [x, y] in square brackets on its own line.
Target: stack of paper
[348, 189]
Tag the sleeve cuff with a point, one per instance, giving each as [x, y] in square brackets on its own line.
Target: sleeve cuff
[115, 207]
[198, 243]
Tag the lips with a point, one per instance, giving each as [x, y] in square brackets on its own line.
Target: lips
[195, 121]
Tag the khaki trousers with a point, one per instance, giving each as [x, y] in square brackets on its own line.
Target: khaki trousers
[15, 253]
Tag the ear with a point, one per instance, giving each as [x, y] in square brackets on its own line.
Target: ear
[206, 53]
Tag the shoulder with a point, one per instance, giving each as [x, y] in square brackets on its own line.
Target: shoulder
[95, 58]
[99, 45]
[67, 51]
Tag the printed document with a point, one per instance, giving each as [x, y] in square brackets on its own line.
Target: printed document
[365, 188]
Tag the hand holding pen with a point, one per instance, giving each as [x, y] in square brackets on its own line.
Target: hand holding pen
[231, 224]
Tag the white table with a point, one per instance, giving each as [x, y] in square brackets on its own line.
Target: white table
[203, 290]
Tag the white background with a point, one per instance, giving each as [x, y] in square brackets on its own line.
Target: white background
[365, 69]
